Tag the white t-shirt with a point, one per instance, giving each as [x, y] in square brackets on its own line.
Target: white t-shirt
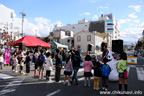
[49, 63]
[1, 59]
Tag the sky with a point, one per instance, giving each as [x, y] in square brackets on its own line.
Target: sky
[41, 15]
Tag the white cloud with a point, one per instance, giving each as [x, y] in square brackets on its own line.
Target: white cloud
[86, 13]
[92, 1]
[136, 21]
[95, 17]
[121, 21]
[137, 8]
[132, 15]
[132, 34]
[42, 20]
[103, 7]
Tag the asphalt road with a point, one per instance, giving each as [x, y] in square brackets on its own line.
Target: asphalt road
[21, 85]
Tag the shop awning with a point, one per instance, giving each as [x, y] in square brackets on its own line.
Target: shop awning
[58, 45]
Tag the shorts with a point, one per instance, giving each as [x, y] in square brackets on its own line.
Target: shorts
[121, 75]
[88, 74]
[36, 65]
[21, 68]
[67, 73]
[48, 72]
[15, 64]
[41, 68]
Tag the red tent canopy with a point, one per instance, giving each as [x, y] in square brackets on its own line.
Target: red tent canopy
[32, 41]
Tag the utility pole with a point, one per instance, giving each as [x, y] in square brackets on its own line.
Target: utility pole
[23, 14]
[36, 33]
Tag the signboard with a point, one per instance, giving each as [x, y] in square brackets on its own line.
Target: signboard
[131, 60]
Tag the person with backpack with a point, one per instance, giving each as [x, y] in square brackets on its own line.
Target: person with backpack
[87, 70]
[41, 61]
[122, 67]
[68, 70]
[76, 65]
[105, 73]
[58, 66]
[35, 60]
[28, 61]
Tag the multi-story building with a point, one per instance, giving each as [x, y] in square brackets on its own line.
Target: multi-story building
[82, 25]
[6, 20]
[64, 37]
[84, 37]
[105, 24]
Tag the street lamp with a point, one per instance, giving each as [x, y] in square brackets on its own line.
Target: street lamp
[23, 14]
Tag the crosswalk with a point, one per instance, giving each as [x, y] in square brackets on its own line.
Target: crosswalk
[139, 71]
[5, 76]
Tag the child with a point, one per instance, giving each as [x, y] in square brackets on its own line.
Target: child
[76, 60]
[28, 60]
[68, 70]
[41, 61]
[97, 75]
[15, 63]
[87, 69]
[49, 65]
[105, 73]
[1, 61]
[21, 65]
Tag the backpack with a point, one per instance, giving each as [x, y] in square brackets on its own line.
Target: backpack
[33, 59]
[40, 62]
[106, 70]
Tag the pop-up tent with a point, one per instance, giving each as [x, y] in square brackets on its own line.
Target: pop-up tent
[58, 45]
[32, 41]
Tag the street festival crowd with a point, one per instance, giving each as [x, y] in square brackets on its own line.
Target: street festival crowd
[45, 61]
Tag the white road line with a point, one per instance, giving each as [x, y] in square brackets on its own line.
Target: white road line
[53, 93]
[81, 70]
[140, 73]
[128, 68]
[5, 76]
[12, 86]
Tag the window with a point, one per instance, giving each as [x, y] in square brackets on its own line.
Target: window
[110, 24]
[110, 29]
[78, 38]
[85, 25]
[88, 37]
[73, 27]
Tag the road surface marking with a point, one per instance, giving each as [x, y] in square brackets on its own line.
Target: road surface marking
[128, 68]
[5, 76]
[140, 73]
[11, 87]
[81, 70]
[53, 93]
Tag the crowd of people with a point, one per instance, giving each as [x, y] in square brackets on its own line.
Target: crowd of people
[45, 61]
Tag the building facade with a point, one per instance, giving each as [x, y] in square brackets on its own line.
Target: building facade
[105, 24]
[84, 37]
[82, 25]
[64, 37]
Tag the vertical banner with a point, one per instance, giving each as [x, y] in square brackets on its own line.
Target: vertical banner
[7, 56]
